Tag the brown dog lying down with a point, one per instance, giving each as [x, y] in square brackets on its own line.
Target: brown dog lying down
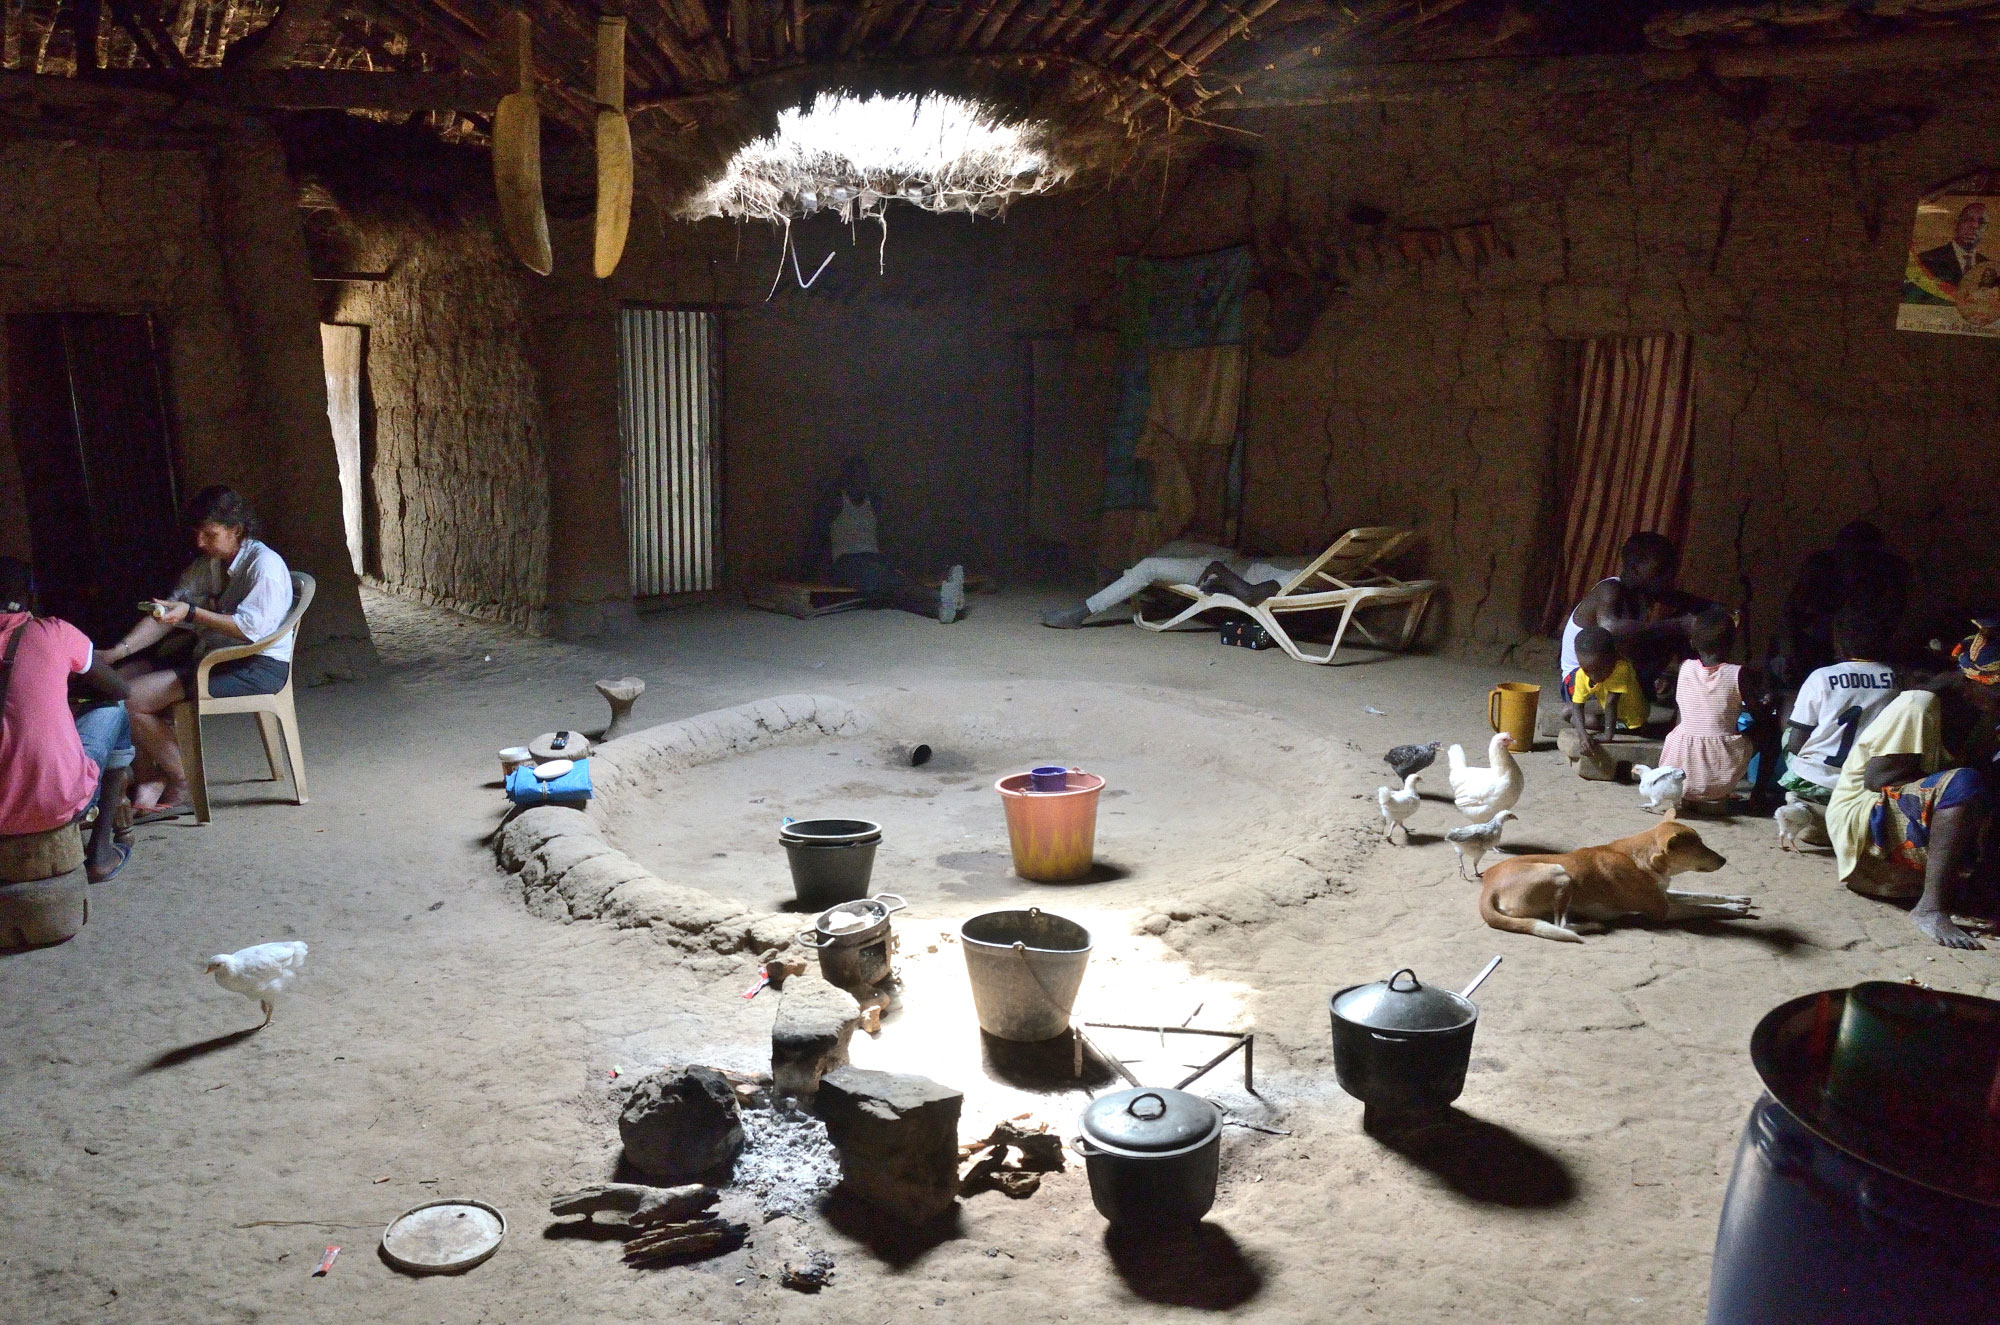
[1540, 894]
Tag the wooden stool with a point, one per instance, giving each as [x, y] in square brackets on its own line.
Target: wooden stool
[44, 894]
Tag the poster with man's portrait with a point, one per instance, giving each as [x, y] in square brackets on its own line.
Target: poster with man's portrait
[1951, 283]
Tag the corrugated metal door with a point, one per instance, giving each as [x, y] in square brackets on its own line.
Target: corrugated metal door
[667, 414]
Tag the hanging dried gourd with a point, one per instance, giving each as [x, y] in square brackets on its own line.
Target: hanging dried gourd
[614, 147]
[517, 157]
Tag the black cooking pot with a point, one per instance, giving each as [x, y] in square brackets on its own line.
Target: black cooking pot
[1399, 1044]
[1152, 1155]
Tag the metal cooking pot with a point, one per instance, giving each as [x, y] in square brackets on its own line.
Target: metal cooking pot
[1152, 1155]
[1399, 1044]
[855, 956]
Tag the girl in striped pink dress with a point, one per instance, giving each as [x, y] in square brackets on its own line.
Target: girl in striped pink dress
[1711, 695]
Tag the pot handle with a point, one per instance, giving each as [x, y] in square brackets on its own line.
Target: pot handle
[1081, 1145]
[1132, 1106]
[810, 938]
[886, 898]
[1415, 984]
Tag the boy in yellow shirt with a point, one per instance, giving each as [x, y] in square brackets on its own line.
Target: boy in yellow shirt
[1601, 690]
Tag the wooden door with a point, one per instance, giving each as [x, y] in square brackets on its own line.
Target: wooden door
[87, 400]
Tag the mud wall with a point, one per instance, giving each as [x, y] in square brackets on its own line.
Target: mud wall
[456, 466]
[102, 210]
[1429, 391]
[915, 355]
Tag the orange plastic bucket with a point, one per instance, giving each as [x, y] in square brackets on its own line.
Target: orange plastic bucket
[1053, 833]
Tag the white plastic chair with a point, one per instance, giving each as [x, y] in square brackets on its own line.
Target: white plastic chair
[275, 715]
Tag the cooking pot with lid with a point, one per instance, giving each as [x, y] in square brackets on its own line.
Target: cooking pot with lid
[1400, 1045]
[1152, 1155]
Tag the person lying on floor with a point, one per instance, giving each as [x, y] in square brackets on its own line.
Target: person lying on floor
[1601, 693]
[1836, 702]
[1644, 611]
[846, 524]
[236, 591]
[58, 766]
[1210, 568]
[1906, 819]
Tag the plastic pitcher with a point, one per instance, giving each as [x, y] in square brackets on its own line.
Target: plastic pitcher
[1053, 833]
[1510, 708]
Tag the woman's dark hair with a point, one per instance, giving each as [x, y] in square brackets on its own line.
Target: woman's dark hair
[217, 504]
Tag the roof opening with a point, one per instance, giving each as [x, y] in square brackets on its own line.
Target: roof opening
[856, 155]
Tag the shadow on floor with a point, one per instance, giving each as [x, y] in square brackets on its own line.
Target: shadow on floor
[187, 1053]
[1199, 1267]
[1480, 1160]
[1046, 1067]
[891, 1241]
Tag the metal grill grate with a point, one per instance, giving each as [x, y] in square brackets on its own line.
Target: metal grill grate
[667, 419]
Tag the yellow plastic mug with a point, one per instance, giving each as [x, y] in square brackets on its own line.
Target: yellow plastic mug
[1510, 708]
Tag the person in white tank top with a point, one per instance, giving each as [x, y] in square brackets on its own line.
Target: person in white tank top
[848, 526]
[1643, 609]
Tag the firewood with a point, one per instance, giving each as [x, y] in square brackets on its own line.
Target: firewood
[639, 1203]
[695, 1237]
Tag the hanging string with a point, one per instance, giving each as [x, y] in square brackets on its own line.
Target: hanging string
[783, 249]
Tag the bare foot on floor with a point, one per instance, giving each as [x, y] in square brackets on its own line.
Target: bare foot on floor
[146, 796]
[1938, 926]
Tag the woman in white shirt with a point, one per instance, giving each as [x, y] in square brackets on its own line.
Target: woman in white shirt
[236, 591]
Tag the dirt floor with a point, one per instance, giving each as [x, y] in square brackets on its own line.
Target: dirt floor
[159, 1164]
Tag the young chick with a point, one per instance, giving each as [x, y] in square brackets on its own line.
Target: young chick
[1793, 820]
[1476, 840]
[262, 972]
[1660, 789]
[1398, 806]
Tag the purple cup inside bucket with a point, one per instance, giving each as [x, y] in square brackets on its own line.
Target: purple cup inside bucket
[1050, 777]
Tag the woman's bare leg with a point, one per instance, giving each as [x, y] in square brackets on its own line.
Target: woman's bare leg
[1954, 834]
[153, 695]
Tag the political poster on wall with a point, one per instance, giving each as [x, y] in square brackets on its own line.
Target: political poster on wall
[1951, 282]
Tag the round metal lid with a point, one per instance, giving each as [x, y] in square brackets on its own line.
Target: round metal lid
[1403, 1003]
[1150, 1120]
[443, 1237]
[1793, 1050]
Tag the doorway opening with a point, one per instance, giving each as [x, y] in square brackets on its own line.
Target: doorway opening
[100, 473]
[350, 412]
[669, 425]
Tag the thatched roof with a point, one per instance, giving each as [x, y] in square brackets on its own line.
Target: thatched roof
[704, 77]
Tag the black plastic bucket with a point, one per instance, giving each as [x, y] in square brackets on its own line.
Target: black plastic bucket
[832, 860]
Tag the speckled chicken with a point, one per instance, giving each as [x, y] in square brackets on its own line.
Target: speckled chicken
[1408, 759]
[262, 972]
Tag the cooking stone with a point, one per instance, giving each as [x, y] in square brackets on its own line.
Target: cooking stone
[443, 1237]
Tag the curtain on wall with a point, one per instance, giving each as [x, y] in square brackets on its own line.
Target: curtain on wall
[1173, 445]
[1624, 462]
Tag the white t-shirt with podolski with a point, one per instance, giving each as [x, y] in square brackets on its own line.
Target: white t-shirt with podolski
[1837, 702]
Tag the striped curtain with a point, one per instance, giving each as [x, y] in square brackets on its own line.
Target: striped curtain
[1625, 463]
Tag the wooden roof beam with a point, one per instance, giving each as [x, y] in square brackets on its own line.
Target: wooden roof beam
[1413, 80]
[316, 89]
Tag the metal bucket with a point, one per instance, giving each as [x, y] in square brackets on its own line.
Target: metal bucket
[852, 958]
[1025, 967]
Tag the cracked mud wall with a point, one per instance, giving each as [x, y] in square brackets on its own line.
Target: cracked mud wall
[458, 472]
[916, 355]
[1429, 393]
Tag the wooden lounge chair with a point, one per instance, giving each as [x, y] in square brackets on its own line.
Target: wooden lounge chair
[275, 715]
[1347, 578]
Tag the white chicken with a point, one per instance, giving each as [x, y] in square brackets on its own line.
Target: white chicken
[1794, 822]
[1398, 806]
[262, 972]
[1660, 789]
[1481, 793]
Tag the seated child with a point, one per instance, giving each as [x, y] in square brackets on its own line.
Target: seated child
[1835, 703]
[1603, 687]
[1711, 695]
